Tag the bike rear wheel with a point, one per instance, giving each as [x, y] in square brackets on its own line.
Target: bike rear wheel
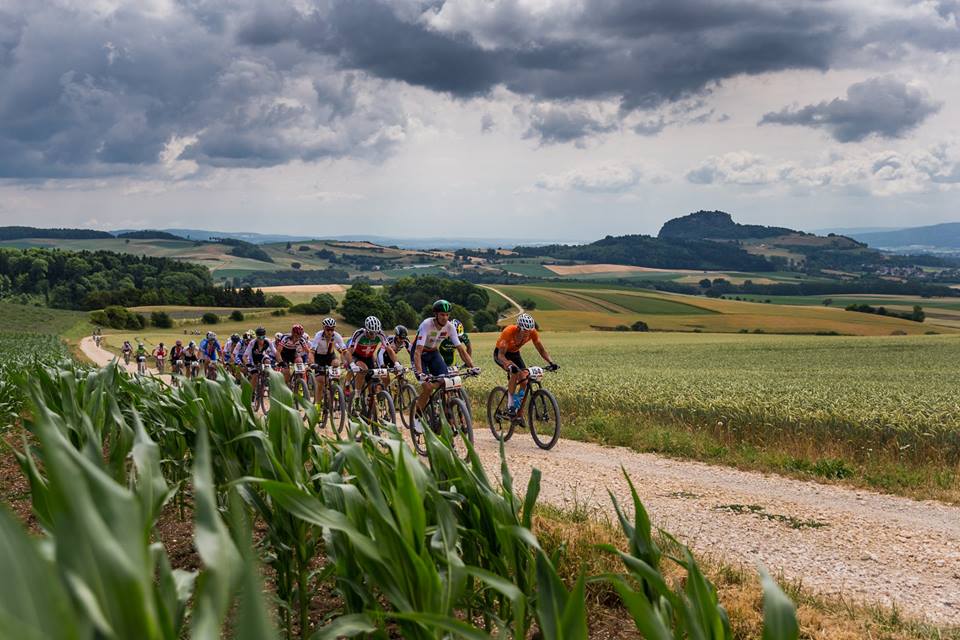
[498, 402]
[461, 426]
[544, 416]
[406, 397]
[335, 409]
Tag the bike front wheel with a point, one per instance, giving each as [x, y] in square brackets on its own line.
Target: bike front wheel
[544, 416]
[381, 411]
[498, 403]
[335, 409]
[461, 426]
[406, 397]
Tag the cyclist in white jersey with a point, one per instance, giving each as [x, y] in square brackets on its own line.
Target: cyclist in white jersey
[427, 360]
[327, 345]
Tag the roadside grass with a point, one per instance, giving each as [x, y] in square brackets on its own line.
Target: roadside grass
[574, 533]
[25, 318]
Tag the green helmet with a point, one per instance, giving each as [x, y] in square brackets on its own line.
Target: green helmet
[441, 306]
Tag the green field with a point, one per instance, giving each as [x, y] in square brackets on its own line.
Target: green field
[29, 319]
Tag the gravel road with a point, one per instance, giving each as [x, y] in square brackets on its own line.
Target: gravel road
[870, 547]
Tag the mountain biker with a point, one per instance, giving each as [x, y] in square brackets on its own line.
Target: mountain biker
[210, 349]
[448, 352]
[290, 346]
[190, 355]
[258, 349]
[127, 349]
[327, 345]
[507, 355]
[176, 353]
[399, 341]
[229, 346]
[364, 345]
[141, 349]
[427, 360]
[159, 354]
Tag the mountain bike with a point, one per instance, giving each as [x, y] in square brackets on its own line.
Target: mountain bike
[373, 403]
[445, 403]
[194, 370]
[261, 388]
[329, 398]
[298, 384]
[160, 360]
[538, 405]
[176, 371]
[126, 358]
[142, 365]
[404, 395]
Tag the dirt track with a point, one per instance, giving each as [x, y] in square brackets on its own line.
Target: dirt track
[871, 547]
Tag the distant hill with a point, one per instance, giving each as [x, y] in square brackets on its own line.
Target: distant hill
[149, 234]
[944, 236]
[19, 233]
[717, 225]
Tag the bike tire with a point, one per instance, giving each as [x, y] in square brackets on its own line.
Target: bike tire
[461, 426]
[382, 410]
[544, 411]
[260, 396]
[406, 397]
[335, 409]
[501, 426]
[462, 394]
[301, 396]
[428, 420]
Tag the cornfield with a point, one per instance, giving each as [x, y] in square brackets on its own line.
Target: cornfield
[897, 393]
[412, 549]
[19, 351]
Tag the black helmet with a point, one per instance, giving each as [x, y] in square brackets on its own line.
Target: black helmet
[261, 332]
[400, 331]
[235, 337]
[441, 306]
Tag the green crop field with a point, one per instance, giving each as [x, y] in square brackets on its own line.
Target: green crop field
[29, 319]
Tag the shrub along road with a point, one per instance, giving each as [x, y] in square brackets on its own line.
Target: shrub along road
[870, 547]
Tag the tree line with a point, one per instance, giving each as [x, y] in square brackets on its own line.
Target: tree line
[86, 280]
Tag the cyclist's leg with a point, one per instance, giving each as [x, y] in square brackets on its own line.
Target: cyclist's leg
[434, 365]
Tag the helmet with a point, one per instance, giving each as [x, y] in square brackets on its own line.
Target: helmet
[179, 343]
[525, 321]
[329, 322]
[278, 335]
[126, 342]
[459, 326]
[235, 337]
[191, 345]
[400, 331]
[441, 306]
[297, 329]
[247, 334]
[261, 332]
[160, 345]
[372, 324]
[211, 335]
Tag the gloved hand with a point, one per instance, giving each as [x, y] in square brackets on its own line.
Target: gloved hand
[354, 367]
[513, 369]
[474, 371]
[553, 366]
[422, 376]
[398, 368]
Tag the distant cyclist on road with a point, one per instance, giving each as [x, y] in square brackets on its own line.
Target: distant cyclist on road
[507, 355]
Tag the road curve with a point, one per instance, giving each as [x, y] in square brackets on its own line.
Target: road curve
[871, 547]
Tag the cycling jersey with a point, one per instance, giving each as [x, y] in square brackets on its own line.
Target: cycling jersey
[238, 350]
[228, 347]
[191, 355]
[290, 347]
[210, 349]
[176, 353]
[511, 340]
[323, 346]
[397, 345]
[449, 352]
[430, 335]
[365, 346]
[256, 350]
[141, 352]
[160, 353]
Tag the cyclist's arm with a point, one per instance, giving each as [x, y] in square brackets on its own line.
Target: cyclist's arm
[465, 354]
[247, 357]
[541, 349]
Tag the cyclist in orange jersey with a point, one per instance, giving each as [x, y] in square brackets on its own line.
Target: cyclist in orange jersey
[507, 355]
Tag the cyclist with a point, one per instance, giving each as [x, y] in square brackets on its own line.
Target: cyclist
[229, 346]
[127, 349]
[427, 360]
[141, 349]
[258, 349]
[507, 355]
[159, 354]
[176, 353]
[290, 346]
[327, 345]
[190, 355]
[448, 352]
[210, 349]
[364, 345]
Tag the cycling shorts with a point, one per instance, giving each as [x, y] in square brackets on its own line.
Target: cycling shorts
[288, 355]
[324, 359]
[512, 356]
[433, 363]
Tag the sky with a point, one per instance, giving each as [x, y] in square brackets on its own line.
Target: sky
[536, 119]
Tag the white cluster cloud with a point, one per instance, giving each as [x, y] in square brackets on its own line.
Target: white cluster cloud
[609, 178]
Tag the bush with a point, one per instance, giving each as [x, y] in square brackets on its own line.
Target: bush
[210, 318]
[528, 304]
[278, 301]
[324, 302]
[295, 265]
[237, 315]
[640, 325]
[161, 319]
[306, 308]
[621, 327]
[278, 312]
[117, 317]
[303, 247]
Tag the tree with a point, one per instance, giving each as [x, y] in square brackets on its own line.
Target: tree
[210, 318]
[528, 303]
[705, 283]
[161, 319]
[475, 302]
[295, 265]
[827, 302]
[406, 315]
[277, 300]
[640, 325]
[361, 301]
[236, 315]
[918, 315]
[324, 302]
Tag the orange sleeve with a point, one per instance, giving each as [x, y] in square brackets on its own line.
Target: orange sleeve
[505, 339]
[535, 338]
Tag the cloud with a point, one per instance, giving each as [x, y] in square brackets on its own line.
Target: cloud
[487, 123]
[558, 123]
[884, 107]
[863, 172]
[605, 178]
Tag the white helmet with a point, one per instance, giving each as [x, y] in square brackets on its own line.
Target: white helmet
[372, 324]
[211, 335]
[329, 322]
[278, 335]
[525, 322]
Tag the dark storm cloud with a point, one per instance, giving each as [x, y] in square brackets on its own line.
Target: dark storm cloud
[885, 107]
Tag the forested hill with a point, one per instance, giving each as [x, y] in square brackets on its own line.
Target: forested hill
[718, 225]
[149, 234]
[19, 233]
[666, 253]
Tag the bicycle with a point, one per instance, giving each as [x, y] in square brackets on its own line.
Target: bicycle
[176, 370]
[404, 395]
[539, 405]
[142, 365]
[453, 369]
[445, 400]
[194, 369]
[126, 358]
[160, 361]
[298, 384]
[374, 404]
[329, 399]
[211, 370]
[262, 387]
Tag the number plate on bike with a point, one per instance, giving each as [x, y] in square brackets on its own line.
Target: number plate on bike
[453, 383]
[299, 367]
[379, 373]
[334, 372]
[536, 373]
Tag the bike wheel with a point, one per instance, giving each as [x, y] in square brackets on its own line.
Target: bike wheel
[418, 424]
[498, 402]
[335, 409]
[301, 397]
[382, 410]
[462, 394]
[406, 397]
[260, 396]
[461, 426]
[544, 416]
